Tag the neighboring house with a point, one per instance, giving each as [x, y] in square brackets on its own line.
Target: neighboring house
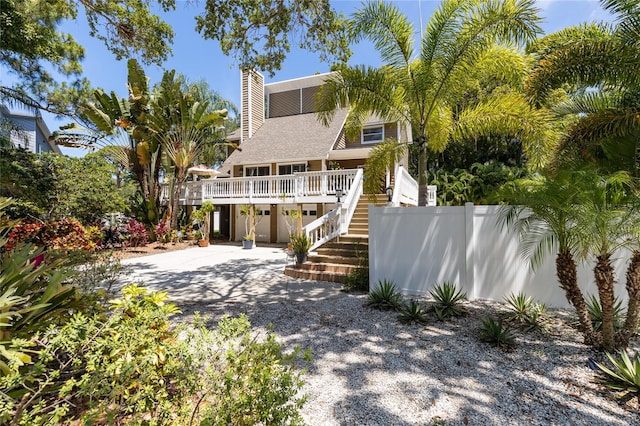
[27, 131]
[281, 136]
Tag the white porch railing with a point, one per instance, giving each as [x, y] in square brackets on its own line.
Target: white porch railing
[337, 221]
[191, 193]
[406, 190]
[297, 187]
[323, 229]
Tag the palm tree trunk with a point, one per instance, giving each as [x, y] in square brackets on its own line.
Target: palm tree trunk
[633, 307]
[422, 171]
[568, 277]
[605, 279]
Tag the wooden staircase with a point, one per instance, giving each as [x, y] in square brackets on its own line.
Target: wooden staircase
[335, 260]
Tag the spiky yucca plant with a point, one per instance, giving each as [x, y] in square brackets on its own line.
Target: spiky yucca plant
[496, 333]
[384, 296]
[447, 301]
[529, 315]
[595, 312]
[623, 377]
[412, 313]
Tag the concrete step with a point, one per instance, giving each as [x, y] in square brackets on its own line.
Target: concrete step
[344, 252]
[332, 277]
[356, 245]
[342, 260]
[336, 268]
[348, 238]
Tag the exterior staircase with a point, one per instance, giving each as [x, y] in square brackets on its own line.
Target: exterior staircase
[335, 260]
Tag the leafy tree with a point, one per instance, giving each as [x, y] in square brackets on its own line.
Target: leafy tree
[257, 32]
[36, 51]
[84, 188]
[28, 180]
[600, 62]
[460, 39]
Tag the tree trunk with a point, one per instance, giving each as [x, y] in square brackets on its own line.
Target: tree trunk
[633, 308]
[568, 277]
[605, 279]
[422, 171]
[175, 208]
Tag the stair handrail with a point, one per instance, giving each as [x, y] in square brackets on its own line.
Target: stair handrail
[405, 189]
[351, 200]
[324, 228]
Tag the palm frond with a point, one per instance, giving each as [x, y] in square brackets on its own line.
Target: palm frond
[388, 29]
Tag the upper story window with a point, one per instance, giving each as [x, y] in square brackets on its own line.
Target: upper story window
[257, 171]
[373, 134]
[288, 169]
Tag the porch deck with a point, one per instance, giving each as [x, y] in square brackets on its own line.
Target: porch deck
[302, 187]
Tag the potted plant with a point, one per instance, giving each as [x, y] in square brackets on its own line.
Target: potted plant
[252, 216]
[301, 245]
[201, 216]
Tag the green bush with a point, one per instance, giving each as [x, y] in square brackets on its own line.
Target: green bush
[131, 367]
[358, 279]
[412, 313]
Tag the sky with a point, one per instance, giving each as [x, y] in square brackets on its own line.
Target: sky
[202, 59]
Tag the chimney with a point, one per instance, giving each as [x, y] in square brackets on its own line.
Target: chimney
[251, 102]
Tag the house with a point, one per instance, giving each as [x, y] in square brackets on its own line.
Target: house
[27, 131]
[280, 136]
[289, 161]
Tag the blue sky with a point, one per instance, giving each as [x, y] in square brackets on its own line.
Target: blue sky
[198, 58]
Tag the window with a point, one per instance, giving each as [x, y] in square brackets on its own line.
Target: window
[287, 169]
[257, 171]
[373, 134]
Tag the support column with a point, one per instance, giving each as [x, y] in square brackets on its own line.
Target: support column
[273, 230]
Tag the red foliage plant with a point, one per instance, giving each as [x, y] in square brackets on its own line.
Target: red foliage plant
[136, 235]
[162, 231]
[63, 234]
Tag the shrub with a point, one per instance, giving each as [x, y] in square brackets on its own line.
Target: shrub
[96, 236]
[133, 368]
[65, 234]
[384, 296]
[412, 313]
[448, 301]
[358, 279]
[135, 234]
[623, 377]
[496, 333]
[162, 231]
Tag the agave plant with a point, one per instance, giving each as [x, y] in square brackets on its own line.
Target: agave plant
[595, 312]
[623, 377]
[385, 296]
[528, 314]
[412, 313]
[496, 333]
[448, 301]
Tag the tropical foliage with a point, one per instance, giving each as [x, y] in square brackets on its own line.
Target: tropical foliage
[426, 90]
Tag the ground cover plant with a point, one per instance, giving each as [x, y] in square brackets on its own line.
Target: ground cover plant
[448, 301]
[623, 376]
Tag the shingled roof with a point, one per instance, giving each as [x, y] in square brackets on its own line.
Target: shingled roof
[282, 139]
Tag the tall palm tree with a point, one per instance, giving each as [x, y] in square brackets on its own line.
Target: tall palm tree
[601, 63]
[182, 126]
[423, 89]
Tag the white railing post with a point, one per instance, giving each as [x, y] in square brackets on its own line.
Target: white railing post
[250, 190]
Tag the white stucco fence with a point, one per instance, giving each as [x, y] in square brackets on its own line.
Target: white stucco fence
[419, 247]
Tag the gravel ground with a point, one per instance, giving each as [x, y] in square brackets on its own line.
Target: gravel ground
[370, 369]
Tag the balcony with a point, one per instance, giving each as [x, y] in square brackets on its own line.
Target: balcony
[303, 187]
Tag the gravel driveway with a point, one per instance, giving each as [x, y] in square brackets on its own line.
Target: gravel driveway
[369, 369]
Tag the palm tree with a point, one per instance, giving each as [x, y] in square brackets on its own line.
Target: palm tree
[582, 214]
[600, 63]
[541, 210]
[182, 126]
[460, 39]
